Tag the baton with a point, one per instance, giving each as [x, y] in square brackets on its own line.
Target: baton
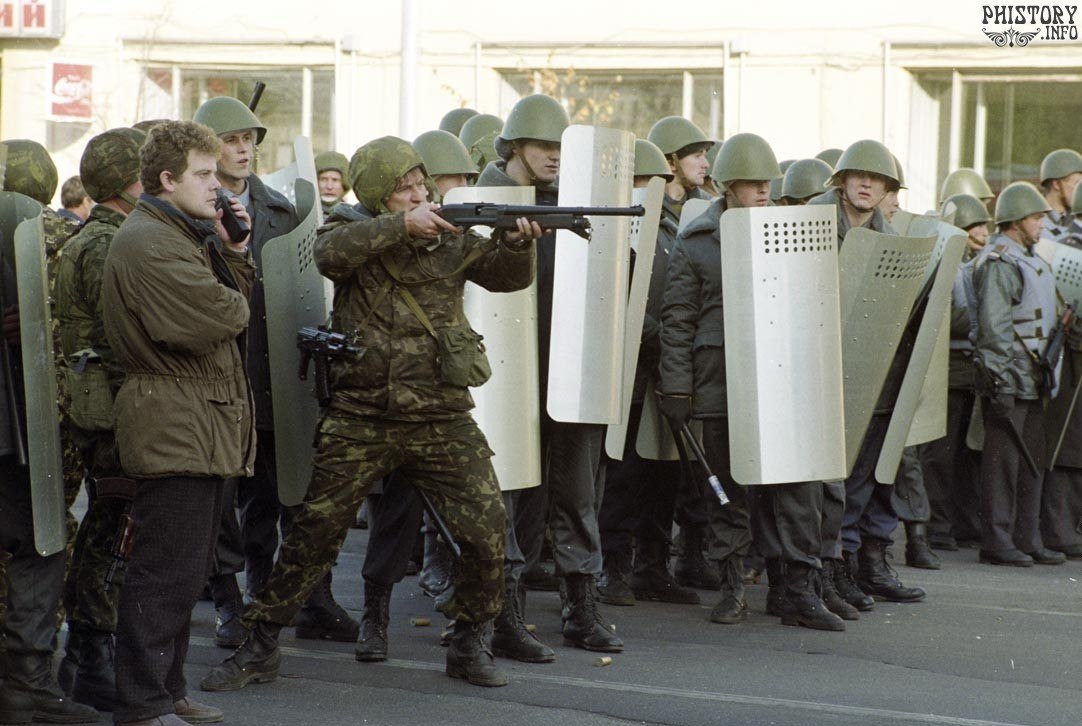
[257, 93]
[1021, 444]
[441, 526]
[697, 448]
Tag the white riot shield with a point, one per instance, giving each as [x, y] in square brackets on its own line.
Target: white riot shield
[942, 267]
[509, 405]
[1067, 267]
[303, 167]
[297, 296]
[644, 242]
[930, 418]
[901, 221]
[880, 278]
[692, 208]
[783, 348]
[589, 292]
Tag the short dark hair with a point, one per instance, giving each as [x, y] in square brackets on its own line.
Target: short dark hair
[72, 193]
[167, 147]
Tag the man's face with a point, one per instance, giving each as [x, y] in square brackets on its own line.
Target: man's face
[410, 193]
[194, 191]
[447, 182]
[864, 190]
[238, 152]
[330, 185]
[1030, 228]
[750, 193]
[693, 167]
[889, 205]
[1066, 186]
[543, 157]
[978, 235]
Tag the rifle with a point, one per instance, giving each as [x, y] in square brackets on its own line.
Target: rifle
[711, 478]
[121, 488]
[320, 344]
[1050, 356]
[502, 216]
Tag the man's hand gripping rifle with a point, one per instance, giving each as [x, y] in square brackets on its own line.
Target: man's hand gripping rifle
[502, 217]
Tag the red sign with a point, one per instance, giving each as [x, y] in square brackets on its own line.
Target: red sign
[71, 88]
[31, 18]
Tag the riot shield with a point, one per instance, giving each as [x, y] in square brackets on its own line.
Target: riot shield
[880, 276]
[3, 164]
[783, 347]
[589, 292]
[1067, 268]
[938, 278]
[930, 418]
[509, 404]
[644, 243]
[692, 208]
[303, 167]
[23, 248]
[296, 297]
[901, 221]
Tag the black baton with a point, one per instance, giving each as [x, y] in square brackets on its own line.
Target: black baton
[441, 526]
[1021, 444]
[697, 448]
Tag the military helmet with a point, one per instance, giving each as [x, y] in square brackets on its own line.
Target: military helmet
[146, 125]
[537, 117]
[333, 161]
[110, 164]
[649, 161]
[1076, 202]
[454, 119]
[867, 155]
[478, 135]
[1060, 163]
[1018, 201]
[830, 156]
[30, 170]
[805, 178]
[775, 184]
[965, 181]
[712, 155]
[745, 157]
[674, 133]
[901, 174]
[968, 210]
[444, 153]
[225, 114]
[377, 166]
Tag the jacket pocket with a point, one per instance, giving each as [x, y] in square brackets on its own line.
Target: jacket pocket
[227, 421]
[91, 398]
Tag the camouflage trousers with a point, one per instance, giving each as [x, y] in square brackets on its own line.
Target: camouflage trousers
[448, 460]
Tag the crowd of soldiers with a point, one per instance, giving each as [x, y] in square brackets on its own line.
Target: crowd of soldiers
[166, 412]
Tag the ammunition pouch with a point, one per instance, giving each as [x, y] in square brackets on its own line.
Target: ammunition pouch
[462, 357]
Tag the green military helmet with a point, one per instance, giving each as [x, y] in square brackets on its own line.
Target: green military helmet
[830, 156]
[377, 166]
[537, 117]
[454, 119]
[745, 157]
[968, 210]
[110, 164]
[443, 153]
[1076, 201]
[478, 135]
[1060, 163]
[775, 184]
[148, 124]
[901, 174]
[333, 161]
[867, 155]
[225, 114]
[649, 161]
[483, 152]
[805, 178]
[675, 133]
[30, 170]
[1018, 201]
[965, 181]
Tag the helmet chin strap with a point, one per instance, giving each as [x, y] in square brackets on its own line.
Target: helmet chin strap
[522, 159]
[679, 175]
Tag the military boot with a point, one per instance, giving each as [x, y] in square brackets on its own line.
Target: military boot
[256, 575]
[583, 626]
[775, 593]
[540, 579]
[613, 587]
[95, 683]
[834, 602]
[876, 577]
[652, 579]
[372, 643]
[30, 694]
[510, 638]
[437, 567]
[256, 661]
[802, 603]
[846, 584]
[65, 673]
[229, 630]
[731, 608]
[692, 569]
[469, 657]
[322, 618]
[918, 551]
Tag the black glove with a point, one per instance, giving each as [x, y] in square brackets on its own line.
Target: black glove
[675, 408]
[1001, 405]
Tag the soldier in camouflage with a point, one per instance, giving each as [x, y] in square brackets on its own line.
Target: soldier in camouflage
[399, 271]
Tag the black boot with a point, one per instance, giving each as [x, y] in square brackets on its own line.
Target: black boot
[803, 605]
[30, 694]
[775, 593]
[65, 673]
[834, 602]
[846, 583]
[437, 568]
[95, 683]
[918, 551]
[692, 569]
[372, 643]
[540, 579]
[877, 578]
[256, 575]
[583, 626]
[229, 630]
[322, 618]
[469, 657]
[256, 661]
[613, 587]
[511, 639]
[731, 608]
[652, 579]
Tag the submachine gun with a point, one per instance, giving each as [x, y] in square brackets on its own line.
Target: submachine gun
[502, 217]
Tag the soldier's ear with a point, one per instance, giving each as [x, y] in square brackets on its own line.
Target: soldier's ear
[167, 180]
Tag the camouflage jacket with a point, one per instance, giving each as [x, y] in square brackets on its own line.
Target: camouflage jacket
[398, 377]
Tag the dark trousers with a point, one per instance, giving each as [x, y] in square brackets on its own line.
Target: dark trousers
[1061, 508]
[396, 517]
[250, 542]
[787, 520]
[909, 497]
[730, 525]
[1010, 493]
[869, 511]
[176, 522]
[952, 474]
[831, 522]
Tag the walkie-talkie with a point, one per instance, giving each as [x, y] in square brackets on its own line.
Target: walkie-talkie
[234, 227]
